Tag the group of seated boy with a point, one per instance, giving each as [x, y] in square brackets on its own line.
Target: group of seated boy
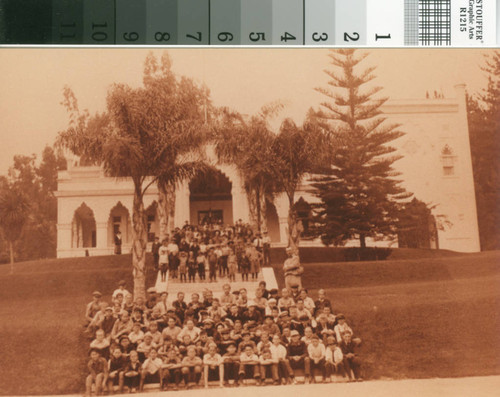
[268, 338]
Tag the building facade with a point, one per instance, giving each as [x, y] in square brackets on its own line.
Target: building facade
[436, 166]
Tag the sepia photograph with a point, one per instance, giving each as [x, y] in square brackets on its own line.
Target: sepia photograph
[242, 221]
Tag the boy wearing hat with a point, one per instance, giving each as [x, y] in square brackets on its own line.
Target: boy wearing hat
[270, 326]
[298, 355]
[251, 314]
[108, 321]
[93, 307]
[125, 346]
[246, 341]
[342, 327]
[231, 360]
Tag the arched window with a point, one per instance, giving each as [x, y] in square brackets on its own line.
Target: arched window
[448, 161]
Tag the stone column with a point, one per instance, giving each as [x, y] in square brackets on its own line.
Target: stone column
[240, 200]
[64, 236]
[182, 207]
[101, 235]
[282, 205]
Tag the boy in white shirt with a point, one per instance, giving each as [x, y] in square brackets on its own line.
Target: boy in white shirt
[152, 371]
[279, 353]
[333, 358]
[137, 335]
[121, 289]
[163, 260]
[213, 365]
[249, 364]
[227, 298]
[268, 364]
[316, 351]
[342, 328]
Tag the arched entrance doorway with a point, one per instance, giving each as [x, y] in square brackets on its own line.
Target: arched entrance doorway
[119, 221]
[210, 198]
[83, 228]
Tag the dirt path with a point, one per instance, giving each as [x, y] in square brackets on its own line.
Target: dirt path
[486, 386]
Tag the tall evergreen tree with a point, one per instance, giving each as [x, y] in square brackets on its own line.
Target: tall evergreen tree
[359, 194]
[484, 131]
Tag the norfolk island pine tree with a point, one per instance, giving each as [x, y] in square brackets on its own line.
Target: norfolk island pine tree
[359, 195]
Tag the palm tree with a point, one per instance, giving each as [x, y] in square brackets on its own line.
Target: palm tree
[14, 213]
[247, 144]
[297, 150]
[129, 141]
[179, 116]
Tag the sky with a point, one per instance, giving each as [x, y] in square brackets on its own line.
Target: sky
[32, 81]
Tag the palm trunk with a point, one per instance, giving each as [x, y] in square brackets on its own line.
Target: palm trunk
[139, 240]
[263, 210]
[252, 208]
[162, 212]
[11, 253]
[171, 207]
[166, 209]
[294, 228]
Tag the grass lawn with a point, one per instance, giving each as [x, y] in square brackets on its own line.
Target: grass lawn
[418, 318]
[423, 317]
[41, 319]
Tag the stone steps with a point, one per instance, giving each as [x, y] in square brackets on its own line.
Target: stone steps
[173, 286]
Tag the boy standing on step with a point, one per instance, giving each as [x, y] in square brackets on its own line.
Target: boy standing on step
[183, 258]
[201, 260]
[232, 265]
[163, 260]
[212, 265]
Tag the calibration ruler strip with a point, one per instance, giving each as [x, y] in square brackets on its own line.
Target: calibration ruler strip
[372, 23]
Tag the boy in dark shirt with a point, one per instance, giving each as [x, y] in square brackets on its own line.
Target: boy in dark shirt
[171, 369]
[155, 249]
[231, 360]
[98, 373]
[298, 355]
[351, 360]
[117, 364]
[132, 372]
